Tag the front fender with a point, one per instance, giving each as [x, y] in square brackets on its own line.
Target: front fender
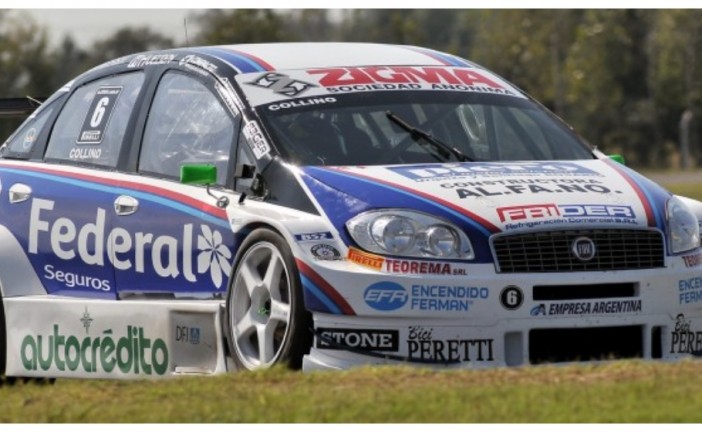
[17, 276]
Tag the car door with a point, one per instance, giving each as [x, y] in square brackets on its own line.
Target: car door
[59, 209]
[173, 239]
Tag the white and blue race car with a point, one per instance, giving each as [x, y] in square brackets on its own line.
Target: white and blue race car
[326, 205]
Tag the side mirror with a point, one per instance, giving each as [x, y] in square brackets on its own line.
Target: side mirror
[617, 158]
[198, 174]
[202, 175]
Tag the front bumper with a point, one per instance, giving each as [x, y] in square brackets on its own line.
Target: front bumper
[483, 319]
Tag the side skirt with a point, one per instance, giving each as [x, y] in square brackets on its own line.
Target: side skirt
[51, 336]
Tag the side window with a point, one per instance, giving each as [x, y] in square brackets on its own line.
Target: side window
[92, 125]
[244, 158]
[20, 145]
[186, 125]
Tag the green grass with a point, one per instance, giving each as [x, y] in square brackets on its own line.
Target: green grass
[622, 391]
[690, 190]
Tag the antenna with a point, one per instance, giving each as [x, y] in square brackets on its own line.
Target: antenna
[36, 101]
[185, 26]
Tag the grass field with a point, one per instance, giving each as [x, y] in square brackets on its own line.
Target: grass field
[690, 190]
[622, 391]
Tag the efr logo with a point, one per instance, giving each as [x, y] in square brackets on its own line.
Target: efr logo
[385, 296]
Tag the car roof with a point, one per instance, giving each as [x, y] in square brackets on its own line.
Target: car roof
[305, 55]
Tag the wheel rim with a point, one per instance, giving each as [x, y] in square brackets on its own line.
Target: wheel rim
[260, 306]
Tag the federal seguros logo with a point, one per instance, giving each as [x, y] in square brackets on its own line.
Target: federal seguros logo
[170, 256]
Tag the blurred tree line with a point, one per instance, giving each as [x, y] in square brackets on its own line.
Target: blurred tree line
[622, 78]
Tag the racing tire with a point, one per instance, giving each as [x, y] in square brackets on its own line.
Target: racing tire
[266, 320]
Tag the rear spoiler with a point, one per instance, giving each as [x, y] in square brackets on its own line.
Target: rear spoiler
[19, 107]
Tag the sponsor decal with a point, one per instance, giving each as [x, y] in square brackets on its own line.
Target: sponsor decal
[539, 211]
[301, 103]
[256, 140]
[197, 64]
[535, 211]
[385, 296]
[446, 297]
[530, 216]
[421, 344]
[86, 320]
[538, 310]
[148, 60]
[693, 260]
[313, 236]
[365, 259]
[125, 250]
[587, 308]
[511, 297]
[72, 280]
[29, 139]
[373, 340]
[397, 266]
[482, 170]
[390, 296]
[421, 267]
[282, 84]
[118, 60]
[189, 335]
[325, 252]
[352, 79]
[130, 352]
[226, 92]
[683, 340]
[96, 120]
[520, 181]
[690, 290]
[480, 192]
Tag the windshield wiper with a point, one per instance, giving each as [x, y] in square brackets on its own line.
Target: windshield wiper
[417, 133]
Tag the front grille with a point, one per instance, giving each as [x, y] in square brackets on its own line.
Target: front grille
[550, 251]
[583, 292]
[585, 344]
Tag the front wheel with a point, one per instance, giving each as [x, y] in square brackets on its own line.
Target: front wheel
[267, 323]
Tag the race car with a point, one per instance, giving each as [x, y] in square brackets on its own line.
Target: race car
[327, 205]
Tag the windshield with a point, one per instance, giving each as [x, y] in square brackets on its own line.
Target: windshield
[355, 129]
[403, 115]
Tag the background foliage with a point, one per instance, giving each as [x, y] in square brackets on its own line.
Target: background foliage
[622, 78]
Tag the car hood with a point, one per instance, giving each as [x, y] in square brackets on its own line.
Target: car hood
[490, 198]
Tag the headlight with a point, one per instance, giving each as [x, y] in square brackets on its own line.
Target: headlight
[410, 234]
[683, 227]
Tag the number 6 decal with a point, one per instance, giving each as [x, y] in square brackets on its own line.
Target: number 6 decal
[98, 115]
[99, 112]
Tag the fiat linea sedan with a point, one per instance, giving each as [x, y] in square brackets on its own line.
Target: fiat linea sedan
[326, 205]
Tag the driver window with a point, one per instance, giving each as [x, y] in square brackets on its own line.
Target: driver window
[186, 125]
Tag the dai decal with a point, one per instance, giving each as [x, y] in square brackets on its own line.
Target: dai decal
[132, 353]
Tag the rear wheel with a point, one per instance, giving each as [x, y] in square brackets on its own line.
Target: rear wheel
[266, 318]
